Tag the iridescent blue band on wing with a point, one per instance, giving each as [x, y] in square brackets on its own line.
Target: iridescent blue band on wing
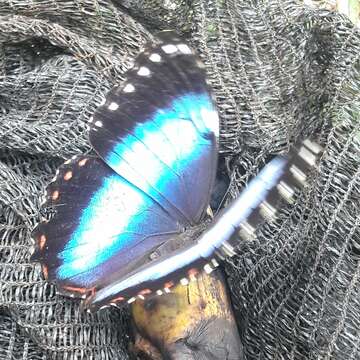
[111, 222]
[111, 225]
[164, 154]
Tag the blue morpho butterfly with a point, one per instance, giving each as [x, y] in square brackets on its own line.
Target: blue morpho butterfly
[125, 221]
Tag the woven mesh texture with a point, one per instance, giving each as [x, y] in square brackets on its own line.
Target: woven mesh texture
[279, 70]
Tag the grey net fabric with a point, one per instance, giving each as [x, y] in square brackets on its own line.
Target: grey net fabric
[279, 70]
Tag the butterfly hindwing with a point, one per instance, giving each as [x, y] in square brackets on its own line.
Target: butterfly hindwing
[159, 129]
[102, 225]
[276, 185]
[153, 278]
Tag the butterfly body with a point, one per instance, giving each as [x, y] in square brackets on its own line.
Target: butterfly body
[131, 222]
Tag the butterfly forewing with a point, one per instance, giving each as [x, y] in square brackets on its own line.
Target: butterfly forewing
[159, 130]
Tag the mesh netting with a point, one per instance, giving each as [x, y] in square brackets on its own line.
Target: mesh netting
[279, 70]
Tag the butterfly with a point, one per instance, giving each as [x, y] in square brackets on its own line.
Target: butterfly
[130, 222]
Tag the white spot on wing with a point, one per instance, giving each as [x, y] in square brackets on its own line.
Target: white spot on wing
[129, 88]
[113, 106]
[169, 49]
[314, 147]
[144, 71]
[155, 57]
[208, 269]
[184, 49]
[98, 123]
[307, 155]
[214, 262]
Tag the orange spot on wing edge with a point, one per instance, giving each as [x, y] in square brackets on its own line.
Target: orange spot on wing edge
[168, 285]
[82, 162]
[145, 292]
[68, 175]
[193, 272]
[118, 299]
[79, 290]
[55, 195]
[42, 242]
